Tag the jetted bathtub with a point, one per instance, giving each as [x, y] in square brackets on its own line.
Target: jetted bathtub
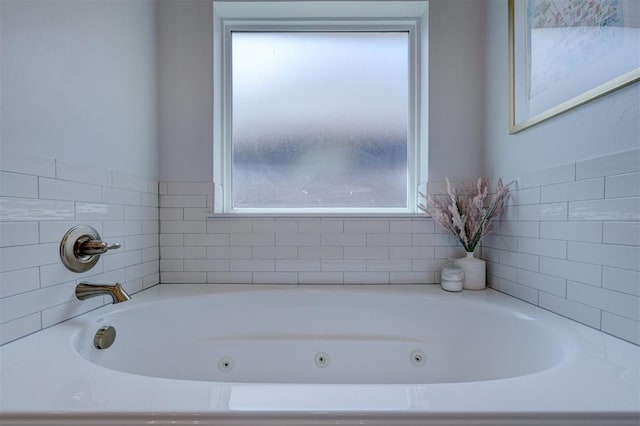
[384, 355]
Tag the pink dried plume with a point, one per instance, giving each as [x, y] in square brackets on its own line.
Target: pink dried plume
[465, 214]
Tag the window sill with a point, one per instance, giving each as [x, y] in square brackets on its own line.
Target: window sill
[240, 216]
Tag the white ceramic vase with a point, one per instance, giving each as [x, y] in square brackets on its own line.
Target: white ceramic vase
[475, 276]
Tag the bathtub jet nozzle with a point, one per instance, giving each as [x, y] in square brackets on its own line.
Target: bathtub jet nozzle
[87, 290]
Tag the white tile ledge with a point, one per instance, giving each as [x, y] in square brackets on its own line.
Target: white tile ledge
[302, 216]
[319, 419]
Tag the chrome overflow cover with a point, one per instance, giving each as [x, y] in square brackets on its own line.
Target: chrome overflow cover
[104, 337]
[81, 247]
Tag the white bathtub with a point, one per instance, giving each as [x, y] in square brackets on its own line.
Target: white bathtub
[192, 354]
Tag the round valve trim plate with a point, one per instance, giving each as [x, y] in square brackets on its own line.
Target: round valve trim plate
[68, 248]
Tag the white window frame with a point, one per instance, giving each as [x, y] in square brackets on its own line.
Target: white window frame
[326, 15]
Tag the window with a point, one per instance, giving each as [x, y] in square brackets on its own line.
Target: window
[319, 119]
[317, 107]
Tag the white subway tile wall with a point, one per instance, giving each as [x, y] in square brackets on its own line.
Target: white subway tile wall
[569, 242]
[40, 199]
[575, 249]
[286, 250]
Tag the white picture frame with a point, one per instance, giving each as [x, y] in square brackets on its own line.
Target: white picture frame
[565, 53]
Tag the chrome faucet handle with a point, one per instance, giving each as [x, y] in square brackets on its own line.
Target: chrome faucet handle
[81, 247]
[90, 247]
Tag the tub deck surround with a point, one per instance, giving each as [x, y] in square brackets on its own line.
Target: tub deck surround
[567, 373]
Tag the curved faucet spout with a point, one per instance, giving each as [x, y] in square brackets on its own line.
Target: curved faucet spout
[87, 290]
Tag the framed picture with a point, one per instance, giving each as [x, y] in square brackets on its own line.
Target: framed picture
[565, 53]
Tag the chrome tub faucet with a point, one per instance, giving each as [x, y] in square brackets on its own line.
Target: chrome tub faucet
[87, 290]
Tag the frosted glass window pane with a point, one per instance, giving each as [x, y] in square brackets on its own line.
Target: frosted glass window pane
[319, 119]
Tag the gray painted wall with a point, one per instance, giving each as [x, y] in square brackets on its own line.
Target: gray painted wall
[604, 126]
[78, 82]
[185, 89]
